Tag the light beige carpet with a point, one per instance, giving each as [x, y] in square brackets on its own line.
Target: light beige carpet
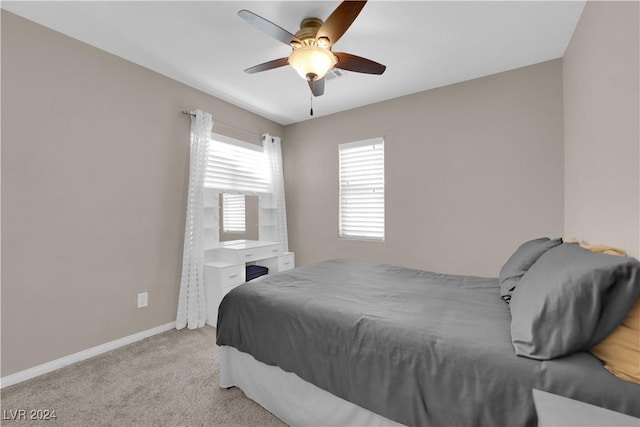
[170, 379]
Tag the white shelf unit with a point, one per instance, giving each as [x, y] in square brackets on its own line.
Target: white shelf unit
[211, 222]
[228, 268]
[267, 218]
[225, 262]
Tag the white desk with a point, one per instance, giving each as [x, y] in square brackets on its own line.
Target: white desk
[555, 410]
[224, 267]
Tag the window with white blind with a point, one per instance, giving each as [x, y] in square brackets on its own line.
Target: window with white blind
[237, 166]
[233, 213]
[361, 184]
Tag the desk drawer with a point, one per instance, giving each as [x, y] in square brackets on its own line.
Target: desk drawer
[254, 254]
[286, 261]
[220, 278]
[230, 276]
[226, 290]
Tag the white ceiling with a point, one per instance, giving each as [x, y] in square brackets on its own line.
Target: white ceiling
[424, 44]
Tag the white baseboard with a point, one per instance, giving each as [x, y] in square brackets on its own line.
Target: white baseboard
[27, 374]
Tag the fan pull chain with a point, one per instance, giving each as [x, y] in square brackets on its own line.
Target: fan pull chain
[311, 110]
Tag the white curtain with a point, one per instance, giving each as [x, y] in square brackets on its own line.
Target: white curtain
[273, 151]
[192, 308]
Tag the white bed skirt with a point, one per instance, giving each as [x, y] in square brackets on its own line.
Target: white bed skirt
[290, 398]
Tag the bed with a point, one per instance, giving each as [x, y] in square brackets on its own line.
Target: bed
[347, 342]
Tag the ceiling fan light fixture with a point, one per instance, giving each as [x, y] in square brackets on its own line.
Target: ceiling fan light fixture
[323, 42]
[311, 54]
[312, 62]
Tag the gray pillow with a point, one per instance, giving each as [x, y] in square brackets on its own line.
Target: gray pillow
[521, 261]
[570, 300]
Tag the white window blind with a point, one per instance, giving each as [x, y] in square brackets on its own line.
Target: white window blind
[237, 166]
[233, 213]
[361, 180]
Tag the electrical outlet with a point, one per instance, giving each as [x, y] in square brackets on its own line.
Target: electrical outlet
[143, 299]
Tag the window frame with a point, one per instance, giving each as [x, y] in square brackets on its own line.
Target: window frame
[227, 203]
[249, 182]
[380, 174]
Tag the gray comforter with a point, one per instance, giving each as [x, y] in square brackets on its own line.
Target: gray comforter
[417, 347]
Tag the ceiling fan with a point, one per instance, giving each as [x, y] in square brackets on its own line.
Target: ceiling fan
[311, 54]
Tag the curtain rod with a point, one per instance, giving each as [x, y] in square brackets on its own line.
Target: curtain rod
[222, 124]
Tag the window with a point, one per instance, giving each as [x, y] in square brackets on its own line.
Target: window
[233, 213]
[238, 166]
[361, 184]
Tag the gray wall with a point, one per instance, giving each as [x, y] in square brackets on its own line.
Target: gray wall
[472, 170]
[602, 127]
[94, 177]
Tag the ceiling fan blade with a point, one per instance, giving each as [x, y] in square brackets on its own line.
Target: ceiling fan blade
[340, 20]
[349, 62]
[281, 62]
[317, 87]
[268, 27]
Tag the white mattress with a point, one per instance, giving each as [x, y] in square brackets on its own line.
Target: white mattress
[288, 397]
